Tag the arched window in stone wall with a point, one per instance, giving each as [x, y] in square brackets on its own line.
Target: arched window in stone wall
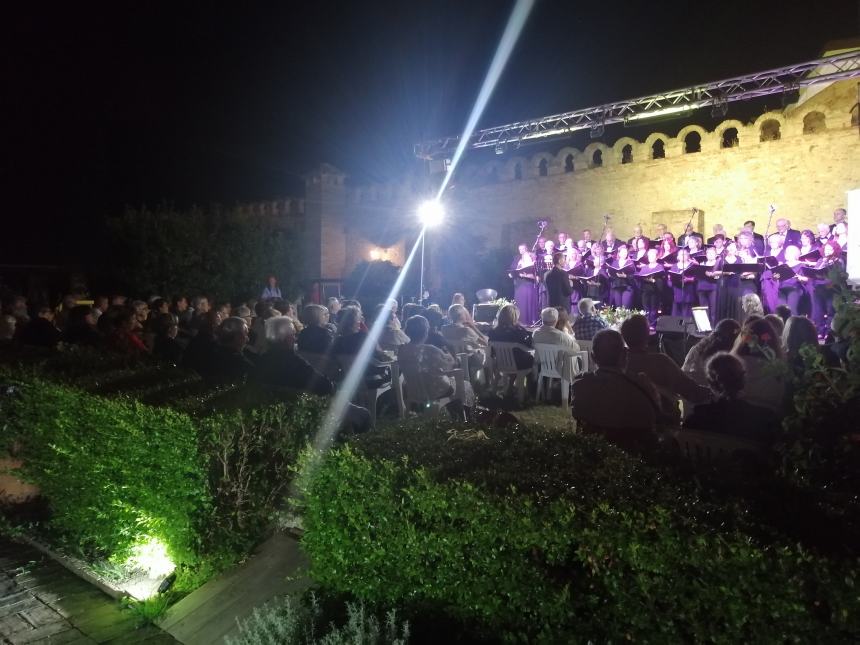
[692, 142]
[769, 130]
[568, 163]
[658, 149]
[597, 159]
[518, 171]
[543, 168]
[730, 138]
[814, 123]
[627, 154]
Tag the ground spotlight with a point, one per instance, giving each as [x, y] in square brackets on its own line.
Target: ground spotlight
[431, 213]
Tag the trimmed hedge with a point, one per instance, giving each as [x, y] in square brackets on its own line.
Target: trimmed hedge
[540, 537]
[205, 481]
[111, 470]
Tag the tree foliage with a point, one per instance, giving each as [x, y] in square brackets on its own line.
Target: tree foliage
[220, 252]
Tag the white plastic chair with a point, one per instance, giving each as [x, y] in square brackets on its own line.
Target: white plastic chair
[325, 364]
[586, 347]
[504, 364]
[463, 350]
[553, 362]
[416, 397]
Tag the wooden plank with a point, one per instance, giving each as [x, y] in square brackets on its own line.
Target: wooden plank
[270, 573]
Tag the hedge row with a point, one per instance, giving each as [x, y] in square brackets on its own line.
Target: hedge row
[114, 470]
[559, 538]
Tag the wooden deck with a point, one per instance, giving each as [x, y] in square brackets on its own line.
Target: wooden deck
[210, 613]
[43, 602]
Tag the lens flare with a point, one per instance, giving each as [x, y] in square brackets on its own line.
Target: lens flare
[500, 59]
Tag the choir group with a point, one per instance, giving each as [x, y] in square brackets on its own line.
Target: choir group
[663, 275]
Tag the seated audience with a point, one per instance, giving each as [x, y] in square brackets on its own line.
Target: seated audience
[670, 381]
[760, 350]
[589, 322]
[41, 331]
[391, 337]
[463, 335]
[751, 306]
[722, 339]
[81, 327]
[317, 336]
[549, 334]
[784, 312]
[229, 363]
[509, 330]
[777, 323]
[799, 332]
[351, 339]
[166, 347]
[124, 338]
[333, 305]
[7, 329]
[426, 367]
[200, 351]
[564, 324]
[611, 402]
[731, 414]
[434, 337]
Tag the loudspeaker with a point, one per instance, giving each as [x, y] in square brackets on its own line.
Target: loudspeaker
[671, 325]
[485, 313]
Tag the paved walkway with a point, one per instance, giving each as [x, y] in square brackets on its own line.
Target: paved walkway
[43, 602]
[209, 613]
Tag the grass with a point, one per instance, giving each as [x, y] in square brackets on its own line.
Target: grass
[552, 417]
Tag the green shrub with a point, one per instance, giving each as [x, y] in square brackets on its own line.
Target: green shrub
[112, 471]
[543, 537]
[284, 621]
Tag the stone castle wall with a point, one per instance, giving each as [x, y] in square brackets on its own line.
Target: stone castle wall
[803, 159]
[805, 172]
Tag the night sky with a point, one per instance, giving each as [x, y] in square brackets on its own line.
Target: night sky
[140, 102]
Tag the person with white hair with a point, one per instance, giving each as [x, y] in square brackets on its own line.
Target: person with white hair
[548, 334]
[281, 366]
[588, 323]
[462, 332]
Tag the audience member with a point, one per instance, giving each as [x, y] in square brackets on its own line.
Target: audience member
[777, 323]
[509, 330]
[166, 347]
[799, 332]
[426, 367]
[124, 338]
[611, 402]
[784, 312]
[41, 331]
[549, 334]
[564, 324]
[81, 327]
[229, 363]
[7, 329]
[731, 414]
[391, 337]
[722, 339]
[760, 350]
[671, 382]
[318, 335]
[588, 323]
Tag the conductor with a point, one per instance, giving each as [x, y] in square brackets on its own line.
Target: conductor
[558, 284]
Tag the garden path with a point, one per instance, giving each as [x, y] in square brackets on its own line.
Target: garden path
[43, 602]
[208, 614]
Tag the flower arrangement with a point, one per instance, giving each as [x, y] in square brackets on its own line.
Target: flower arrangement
[759, 345]
[501, 302]
[614, 316]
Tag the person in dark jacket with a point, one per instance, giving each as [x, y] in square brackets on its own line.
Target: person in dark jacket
[41, 331]
[166, 347]
[81, 327]
[557, 282]
[229, 363]
[730, 414]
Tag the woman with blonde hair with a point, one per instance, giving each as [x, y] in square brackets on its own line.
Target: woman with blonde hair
[509, 330]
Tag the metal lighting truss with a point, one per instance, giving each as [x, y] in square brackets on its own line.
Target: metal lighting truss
[716, 94]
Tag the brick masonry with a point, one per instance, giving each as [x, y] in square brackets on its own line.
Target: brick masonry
[805, 173]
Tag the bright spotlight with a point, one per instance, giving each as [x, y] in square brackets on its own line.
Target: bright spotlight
[431, 213]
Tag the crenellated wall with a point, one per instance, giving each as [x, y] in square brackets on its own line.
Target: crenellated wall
[802, 159]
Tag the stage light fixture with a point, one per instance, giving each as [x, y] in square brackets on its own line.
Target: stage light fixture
[431, 213]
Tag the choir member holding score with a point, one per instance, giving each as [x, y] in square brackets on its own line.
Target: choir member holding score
[621, 271]
[683, 285]
[524, 273]
[706, 284]
[652, 283]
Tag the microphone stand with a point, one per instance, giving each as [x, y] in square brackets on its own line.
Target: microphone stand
[689, 224]
[769, 219]
[543, 226]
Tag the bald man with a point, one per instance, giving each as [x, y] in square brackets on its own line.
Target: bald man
[788, 235]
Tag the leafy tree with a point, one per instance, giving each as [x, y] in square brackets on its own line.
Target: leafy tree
[223, 253]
